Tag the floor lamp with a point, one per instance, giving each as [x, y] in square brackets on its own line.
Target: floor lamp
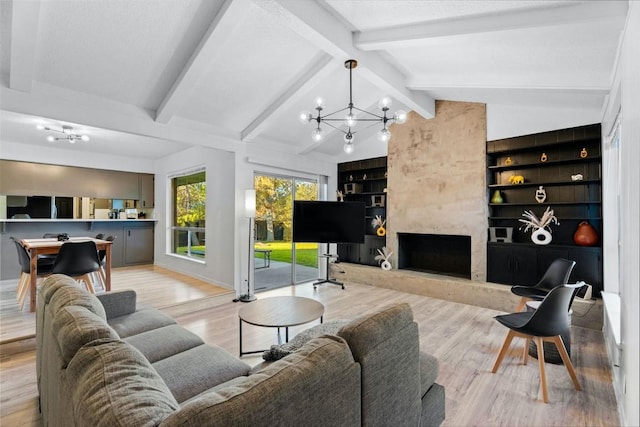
[249, 212]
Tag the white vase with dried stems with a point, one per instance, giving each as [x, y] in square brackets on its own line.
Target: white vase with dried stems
[384, 258]
[541, 234]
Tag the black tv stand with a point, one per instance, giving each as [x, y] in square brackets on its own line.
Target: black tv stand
[327, 279]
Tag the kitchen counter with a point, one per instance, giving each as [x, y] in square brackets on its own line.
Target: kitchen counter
[134, 243]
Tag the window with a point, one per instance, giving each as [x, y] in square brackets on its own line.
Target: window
[189, 194]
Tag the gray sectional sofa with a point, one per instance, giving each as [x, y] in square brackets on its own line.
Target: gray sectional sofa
[104, 361]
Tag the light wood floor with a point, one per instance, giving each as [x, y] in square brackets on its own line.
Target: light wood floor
[464, 338]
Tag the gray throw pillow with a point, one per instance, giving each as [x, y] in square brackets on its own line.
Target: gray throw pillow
[277, 352]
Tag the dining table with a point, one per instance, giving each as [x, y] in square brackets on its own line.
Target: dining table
[37, 247]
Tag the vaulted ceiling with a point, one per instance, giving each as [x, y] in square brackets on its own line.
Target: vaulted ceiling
[151, 77]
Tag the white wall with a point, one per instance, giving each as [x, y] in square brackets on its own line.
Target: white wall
[69, 157]
[218, 267]
[629, 71]
[506, 121]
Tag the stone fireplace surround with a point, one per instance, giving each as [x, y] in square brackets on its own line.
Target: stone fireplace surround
[437, 179]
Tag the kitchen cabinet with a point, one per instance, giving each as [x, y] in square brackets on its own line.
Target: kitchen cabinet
[138, 245]
[146, 184]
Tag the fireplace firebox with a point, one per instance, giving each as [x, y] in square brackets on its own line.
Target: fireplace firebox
[435, 253]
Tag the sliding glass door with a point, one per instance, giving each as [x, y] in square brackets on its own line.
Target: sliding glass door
[278, 261]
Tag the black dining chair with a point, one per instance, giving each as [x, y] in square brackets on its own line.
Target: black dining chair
[44, 269]
[547, 324]
[79, 260]
[100, 236]
[102, 255]
[557, 274]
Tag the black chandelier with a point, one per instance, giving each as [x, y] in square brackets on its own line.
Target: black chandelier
[351, 119]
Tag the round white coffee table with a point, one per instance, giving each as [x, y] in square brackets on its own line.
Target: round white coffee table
[279, 312]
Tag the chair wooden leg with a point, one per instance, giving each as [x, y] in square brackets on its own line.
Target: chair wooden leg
[503, 351]
[567, 361]
[22, 290]
[88, 282]
[525, 350]
[521, 304]
[543, 376]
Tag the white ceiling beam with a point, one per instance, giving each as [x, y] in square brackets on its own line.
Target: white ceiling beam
[231, 13]
[422, 33]
[317, 69]
[24, 36]
[316, 24]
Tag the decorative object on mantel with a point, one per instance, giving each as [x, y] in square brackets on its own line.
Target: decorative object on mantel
[576, 177]
[350, 119]
[508, 161]
[67, 131]
[497, 197]
[544, 157]
[516, 179]
[340, 195]
[384, 258]
[541, 194]
[378, 224]
[585, 235]
[540, 235]
[584, 153]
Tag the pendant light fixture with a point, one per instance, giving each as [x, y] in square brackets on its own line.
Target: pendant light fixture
[67, 131]
[351, 118]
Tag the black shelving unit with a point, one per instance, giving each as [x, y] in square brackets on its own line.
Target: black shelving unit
[369, 181]
[548, 159]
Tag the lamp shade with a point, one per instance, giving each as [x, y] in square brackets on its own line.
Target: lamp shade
[250, 203]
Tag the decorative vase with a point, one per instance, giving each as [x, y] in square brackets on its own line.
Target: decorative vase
[385, 265]
[585, 235]
[541, 237]
[541, 194]
[381, 231]
[497, 197]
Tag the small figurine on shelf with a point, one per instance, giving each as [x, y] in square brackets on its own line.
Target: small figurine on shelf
[384, 258]
[584, 153]
[577, 177]
[541, 194]
[350, 177]
[516, 179]
[508, 161]
[340, 195]
[364, 177]
[544, 157]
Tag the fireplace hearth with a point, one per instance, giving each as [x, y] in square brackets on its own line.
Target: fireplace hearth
[435, 253]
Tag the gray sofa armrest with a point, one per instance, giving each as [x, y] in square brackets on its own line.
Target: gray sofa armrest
[118, 303]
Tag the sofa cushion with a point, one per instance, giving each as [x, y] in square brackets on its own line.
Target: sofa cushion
[62, 291]
[118, 303]
[197, 369]
[140, 321]
[322, 374]
[75, 326]
[114, 385]
[277, 352]
[158, 344]
[428, 371]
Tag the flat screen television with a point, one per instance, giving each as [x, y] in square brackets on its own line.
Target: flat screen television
[328, 222]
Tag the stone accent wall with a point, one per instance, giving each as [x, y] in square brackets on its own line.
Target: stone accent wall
[437, 180]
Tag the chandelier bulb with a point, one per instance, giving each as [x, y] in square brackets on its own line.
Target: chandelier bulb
[384, 135]
[348, 147]
[40, 127]
[84, 138]
[319, 103]
[51, 138]
[317, 135]
[384, 103]
[350, 120]
[305, 117]
[400, 117]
